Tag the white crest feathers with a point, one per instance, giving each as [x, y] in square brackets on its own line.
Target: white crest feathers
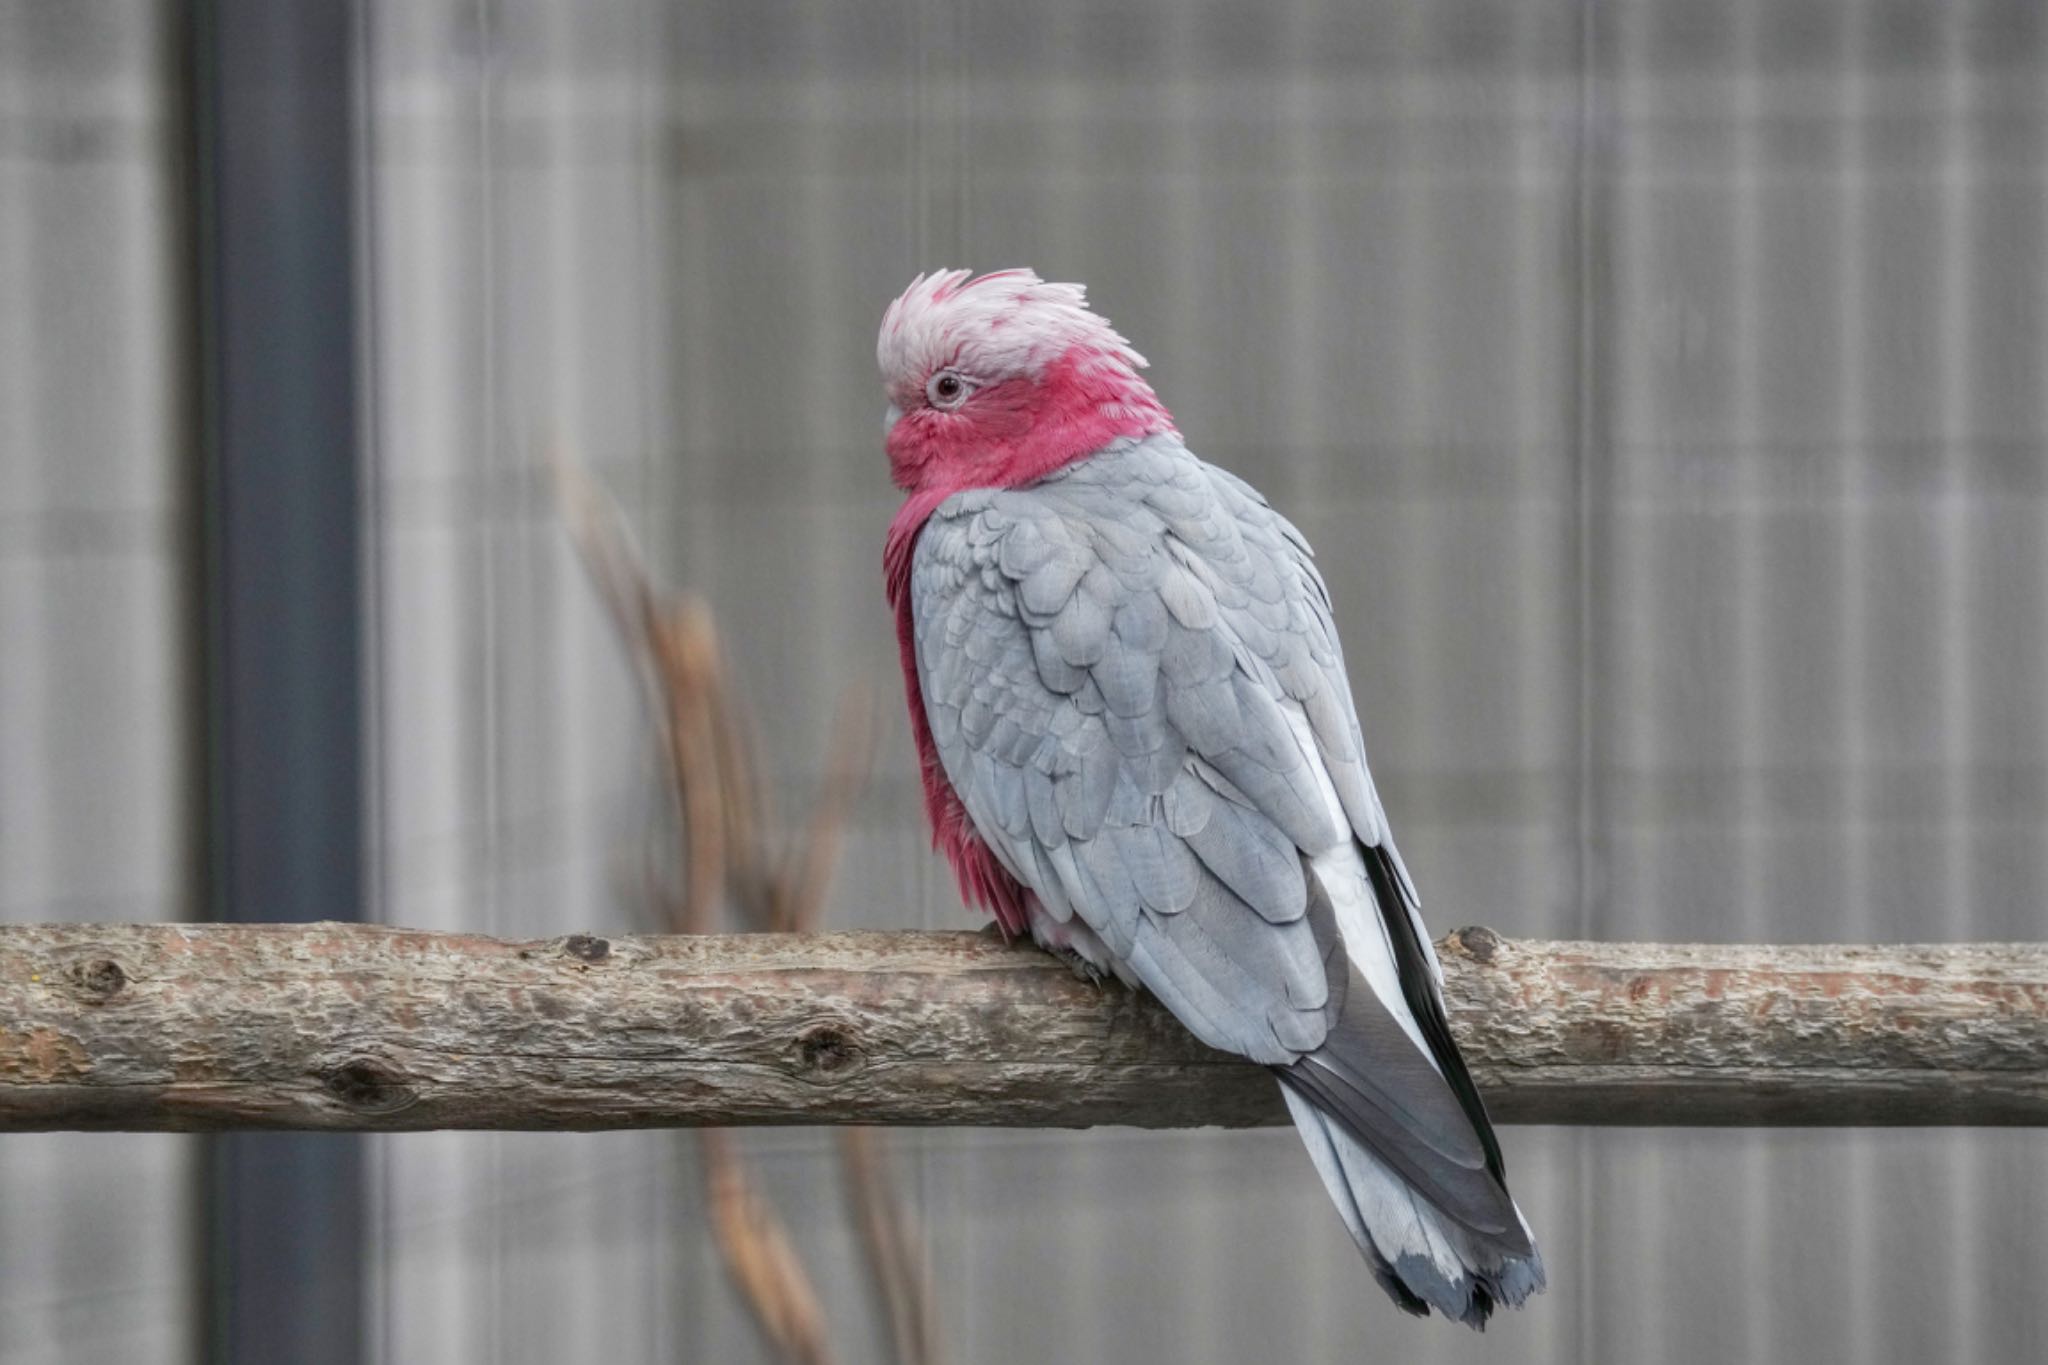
[992, 326]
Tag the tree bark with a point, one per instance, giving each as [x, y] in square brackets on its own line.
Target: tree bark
[343, 1026]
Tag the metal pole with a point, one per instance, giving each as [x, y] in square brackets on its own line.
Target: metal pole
[274, 177]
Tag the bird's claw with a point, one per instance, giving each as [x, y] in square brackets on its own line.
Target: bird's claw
[1078, 965]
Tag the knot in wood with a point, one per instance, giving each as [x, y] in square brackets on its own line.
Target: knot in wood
[1477, 942]
[828, 1049]
[369, 1086]
[588, 947]
[98, 980]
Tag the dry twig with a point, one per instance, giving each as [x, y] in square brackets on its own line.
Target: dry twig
[762, 1264]
[894, 1249]
[722, 809]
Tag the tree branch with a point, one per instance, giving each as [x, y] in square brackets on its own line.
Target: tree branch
[147, 1027]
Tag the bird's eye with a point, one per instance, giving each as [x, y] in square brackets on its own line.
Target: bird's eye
[946, 390]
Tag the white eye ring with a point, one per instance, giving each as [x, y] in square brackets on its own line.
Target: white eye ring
[947, 390]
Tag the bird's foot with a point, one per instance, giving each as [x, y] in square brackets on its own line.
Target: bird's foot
[1077, 964]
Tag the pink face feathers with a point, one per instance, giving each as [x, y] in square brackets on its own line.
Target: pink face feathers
[1001, 379]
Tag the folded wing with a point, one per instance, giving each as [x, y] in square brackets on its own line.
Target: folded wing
[1134, 685]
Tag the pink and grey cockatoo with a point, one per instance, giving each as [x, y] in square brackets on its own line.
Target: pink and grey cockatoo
[1139, 745]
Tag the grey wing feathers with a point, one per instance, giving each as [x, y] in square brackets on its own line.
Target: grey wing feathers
[1103, 736]
[1104, 658]
[1124, 667]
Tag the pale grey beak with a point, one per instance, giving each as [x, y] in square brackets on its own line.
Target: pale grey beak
[890, 419]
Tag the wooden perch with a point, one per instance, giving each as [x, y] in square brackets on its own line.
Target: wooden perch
[370, 1028]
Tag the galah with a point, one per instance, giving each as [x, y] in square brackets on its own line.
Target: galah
[1138, 745]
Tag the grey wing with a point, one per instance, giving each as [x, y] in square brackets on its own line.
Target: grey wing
[1046, 654]
[1133, 683]
[1308, 664]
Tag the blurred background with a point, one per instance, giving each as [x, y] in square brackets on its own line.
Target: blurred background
[1665, 386]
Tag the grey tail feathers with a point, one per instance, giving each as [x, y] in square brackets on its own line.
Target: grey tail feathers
[1422, 1258]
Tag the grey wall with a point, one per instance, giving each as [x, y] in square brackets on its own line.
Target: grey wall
[1661, 383]
[94, 765]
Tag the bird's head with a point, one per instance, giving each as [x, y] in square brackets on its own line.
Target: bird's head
[999, 379]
